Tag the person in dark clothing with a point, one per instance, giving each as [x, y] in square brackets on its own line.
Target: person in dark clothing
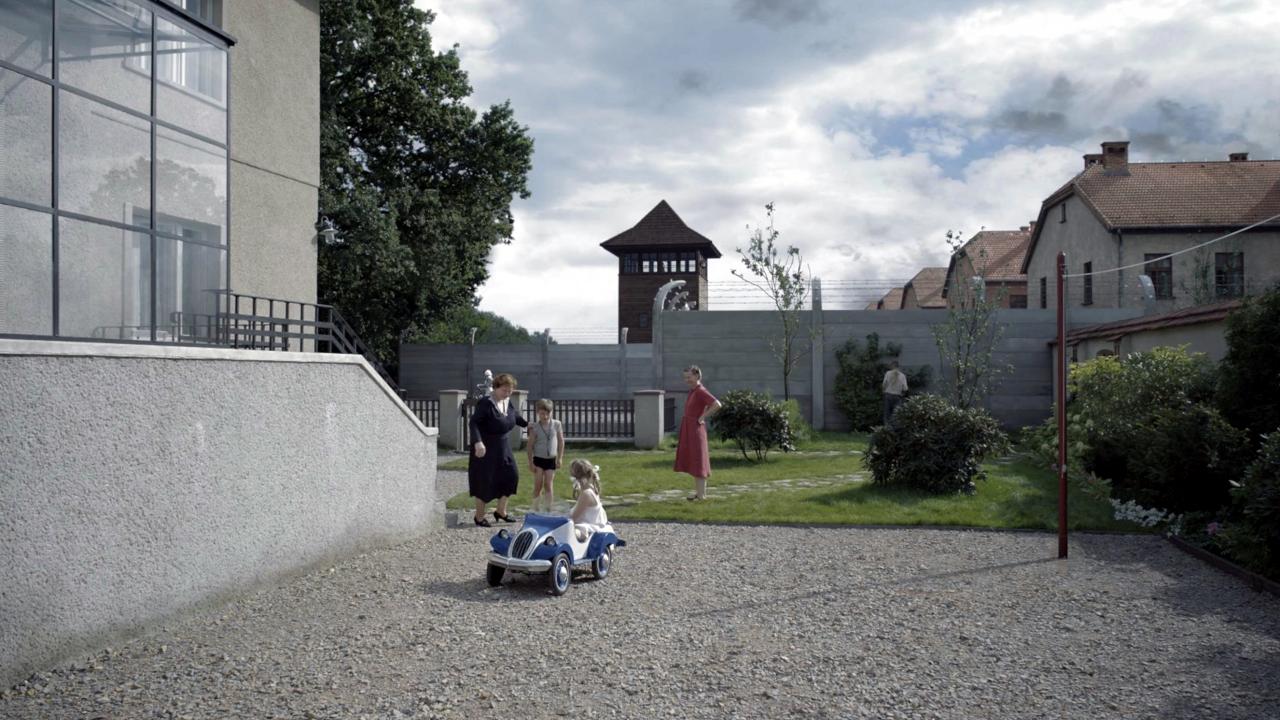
[491, 468]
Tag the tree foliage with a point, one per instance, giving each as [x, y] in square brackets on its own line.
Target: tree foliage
[491, 329]
[417, 184]
[934, 446]
[1249, 376]
[782, 276]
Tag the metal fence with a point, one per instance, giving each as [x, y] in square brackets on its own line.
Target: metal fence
[427, 410]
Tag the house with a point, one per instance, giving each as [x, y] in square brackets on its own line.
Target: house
[924, 291]
[1202, 328]
[996, 257]
[1119, 220]
[654, 251]
[159, 181]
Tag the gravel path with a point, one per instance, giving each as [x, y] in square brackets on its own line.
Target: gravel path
[711, 622]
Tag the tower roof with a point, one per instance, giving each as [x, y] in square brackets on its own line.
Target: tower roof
[661, 229]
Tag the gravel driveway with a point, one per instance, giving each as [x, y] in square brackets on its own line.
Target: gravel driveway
[710, 622]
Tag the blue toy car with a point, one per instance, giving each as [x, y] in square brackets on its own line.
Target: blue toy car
[547, 544]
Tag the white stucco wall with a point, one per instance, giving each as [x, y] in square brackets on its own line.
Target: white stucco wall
[137, 482]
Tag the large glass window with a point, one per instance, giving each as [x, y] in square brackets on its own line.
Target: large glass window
[104, 161]
[26, 272]
[26, 34]
[104, 282]
[83, 252]
[191, 81]
[191, 182]
[26, 145]
[102, 47]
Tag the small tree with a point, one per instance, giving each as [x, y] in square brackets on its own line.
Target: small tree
[967, 339]
[781, 275]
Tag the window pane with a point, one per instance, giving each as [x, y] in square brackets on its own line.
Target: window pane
[191, 81]
[26, 138]
[26, 272]
[26, 34]
[191, 186]
[104, 47]
[187, 276]
[104, 282]
[105, 168]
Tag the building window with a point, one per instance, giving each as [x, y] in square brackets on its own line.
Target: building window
[1228, 274]
[1159, 267]
[1018, 302]
[1062, 213]
[1044, 293]
[83, 254]
[1088, 284]
[630, 263]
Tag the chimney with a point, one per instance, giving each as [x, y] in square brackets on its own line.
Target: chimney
[1024, 228]
[1238, 157]
[1115, 157]
[1092, 159]
[1031, 226]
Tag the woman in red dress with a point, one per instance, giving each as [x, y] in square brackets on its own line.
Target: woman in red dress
[691, 452]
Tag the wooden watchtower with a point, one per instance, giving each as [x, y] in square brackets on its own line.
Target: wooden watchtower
[657, 249]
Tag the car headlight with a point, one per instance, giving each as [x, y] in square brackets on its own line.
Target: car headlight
[504, 534]
[549, 541]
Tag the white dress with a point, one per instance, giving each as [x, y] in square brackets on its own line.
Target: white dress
[593, 518]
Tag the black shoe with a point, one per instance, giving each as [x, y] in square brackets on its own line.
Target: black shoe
[482, 522]
[503, 518]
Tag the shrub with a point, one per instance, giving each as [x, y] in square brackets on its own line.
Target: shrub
[935, 446]
[1249, 386]
[754, 422]
[1251, 536]
[801, 430]
[859, 377]
[1183, 460]
[1145, 424]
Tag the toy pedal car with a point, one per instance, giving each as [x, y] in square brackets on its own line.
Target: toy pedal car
[548, 544]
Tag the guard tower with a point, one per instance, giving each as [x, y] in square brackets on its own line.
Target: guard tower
[658, 248]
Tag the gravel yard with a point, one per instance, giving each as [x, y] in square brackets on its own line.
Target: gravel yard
[710, 622]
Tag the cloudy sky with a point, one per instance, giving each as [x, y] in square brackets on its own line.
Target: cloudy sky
[874, 126]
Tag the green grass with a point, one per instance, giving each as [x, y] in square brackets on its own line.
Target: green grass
[1018, 492]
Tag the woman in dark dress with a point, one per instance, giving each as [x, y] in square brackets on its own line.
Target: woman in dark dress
[491, 469]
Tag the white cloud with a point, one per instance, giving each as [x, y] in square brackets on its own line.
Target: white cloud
[873, 134]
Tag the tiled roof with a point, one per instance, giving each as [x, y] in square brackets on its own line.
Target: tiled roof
[892, 300]
[1186, 316]
[928, 286]
[1154, 195]
[662, 227]
[1173, 195]
[997, 255]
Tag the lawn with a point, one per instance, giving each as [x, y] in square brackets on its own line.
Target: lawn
[824, 482]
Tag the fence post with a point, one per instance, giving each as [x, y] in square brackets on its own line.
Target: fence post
[544, 371]
[519, 398]
[648, 418]
[470, 379]
[450, 421]
[817, 369]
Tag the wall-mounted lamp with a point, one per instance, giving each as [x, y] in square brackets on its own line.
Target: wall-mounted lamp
[327, 233]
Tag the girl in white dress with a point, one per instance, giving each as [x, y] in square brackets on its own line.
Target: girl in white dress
[588, 513]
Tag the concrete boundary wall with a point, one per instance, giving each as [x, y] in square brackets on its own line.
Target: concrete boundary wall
[571, 371]
[138, 482]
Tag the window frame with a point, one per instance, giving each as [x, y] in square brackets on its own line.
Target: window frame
[1235, 288]
[1044, 293]
[1087, 292]
[1159, 265]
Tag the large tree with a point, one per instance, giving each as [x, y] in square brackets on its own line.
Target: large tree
[417, 183]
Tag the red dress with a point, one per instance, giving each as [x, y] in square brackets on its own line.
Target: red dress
[691, 452]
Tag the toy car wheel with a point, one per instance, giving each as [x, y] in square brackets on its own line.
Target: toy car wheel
[600, 567]
[495, 575]
[560, 576]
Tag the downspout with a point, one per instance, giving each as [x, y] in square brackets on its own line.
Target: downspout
[1119, 264]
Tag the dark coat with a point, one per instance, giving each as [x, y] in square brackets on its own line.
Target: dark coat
[494, 475]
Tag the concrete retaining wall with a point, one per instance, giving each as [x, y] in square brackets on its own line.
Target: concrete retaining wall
[137, 482]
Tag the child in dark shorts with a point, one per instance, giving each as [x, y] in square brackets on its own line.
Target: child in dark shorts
[546, 449]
